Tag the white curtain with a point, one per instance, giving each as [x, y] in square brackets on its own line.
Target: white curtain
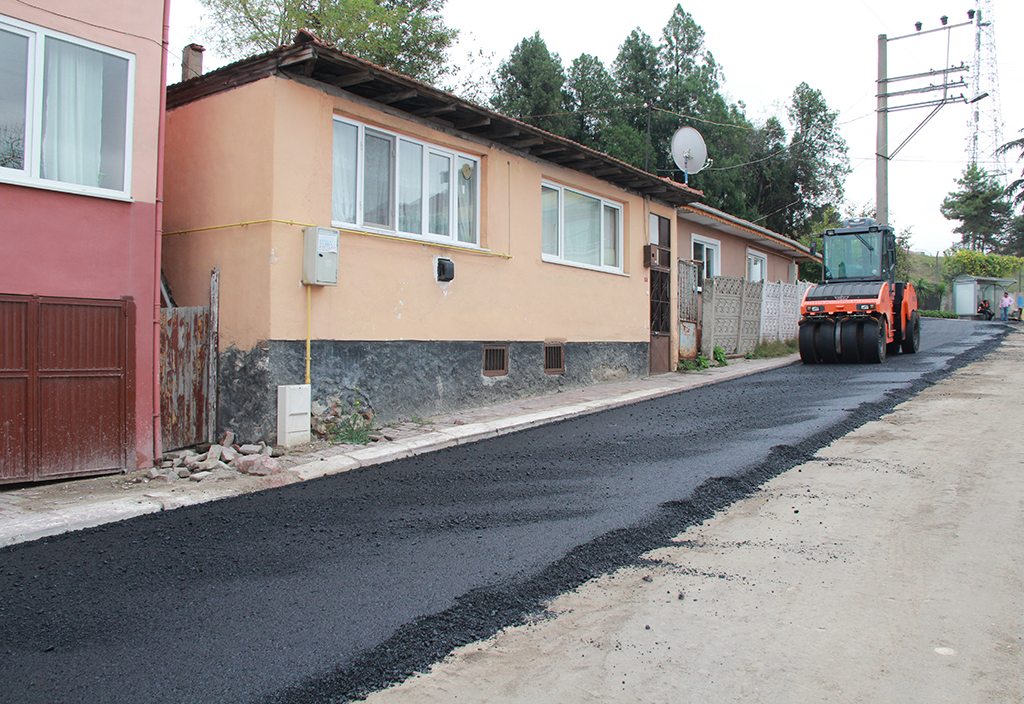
[611, 237]
[582, 229]
[410, 187]
[439, 195]
[72, 137]
[377, 187]
[467, 201]
[344, 182]
[549, 220]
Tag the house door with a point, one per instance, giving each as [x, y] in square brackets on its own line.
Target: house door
[66, 407]
[661, 306]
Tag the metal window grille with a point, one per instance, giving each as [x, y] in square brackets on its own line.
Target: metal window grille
[495, 360]
[554, 358]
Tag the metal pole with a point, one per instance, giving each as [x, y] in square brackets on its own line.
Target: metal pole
[882, 139]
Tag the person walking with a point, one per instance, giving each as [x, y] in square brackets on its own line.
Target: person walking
[1004, 305]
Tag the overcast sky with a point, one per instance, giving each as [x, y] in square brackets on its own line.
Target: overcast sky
[766, 50]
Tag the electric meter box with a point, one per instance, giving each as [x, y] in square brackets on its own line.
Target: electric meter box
[320, 256]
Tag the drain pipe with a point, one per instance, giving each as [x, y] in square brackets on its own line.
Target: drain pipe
[159, 233]
[309, 315]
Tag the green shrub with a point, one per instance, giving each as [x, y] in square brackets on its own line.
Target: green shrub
[719, 355]
[937, 314]
[694, 365]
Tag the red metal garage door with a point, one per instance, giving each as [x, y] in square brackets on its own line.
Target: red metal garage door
[65, 387]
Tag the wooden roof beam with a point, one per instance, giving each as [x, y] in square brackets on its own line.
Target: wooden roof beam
[351, 79]
[481, 121]
[396, 96]
[435, 110]
[528, 142]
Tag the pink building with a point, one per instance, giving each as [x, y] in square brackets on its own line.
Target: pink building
[81, 130]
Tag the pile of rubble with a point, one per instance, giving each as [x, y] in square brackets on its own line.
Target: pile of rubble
[221, 457]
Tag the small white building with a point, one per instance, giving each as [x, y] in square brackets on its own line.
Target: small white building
[970, 291]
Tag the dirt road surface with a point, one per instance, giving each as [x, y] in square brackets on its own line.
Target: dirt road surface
[888, 569]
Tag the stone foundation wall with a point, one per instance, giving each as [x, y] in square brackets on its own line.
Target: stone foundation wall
[396, 381]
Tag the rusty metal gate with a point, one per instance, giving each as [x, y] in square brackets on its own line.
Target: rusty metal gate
[66, 387]
[188, 373]
[689, 336]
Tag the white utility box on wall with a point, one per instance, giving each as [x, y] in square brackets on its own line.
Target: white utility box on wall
[294, 403]
[320, 256]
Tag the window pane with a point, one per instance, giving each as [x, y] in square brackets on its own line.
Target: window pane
[611, 237]
[377, 185]
[13, 98]
[652, 226]
[709, 260]
[410, 187]
[346, 145]
[549, 220]
[439, 203]
[85, 110]
[467, 201]
[582, 229]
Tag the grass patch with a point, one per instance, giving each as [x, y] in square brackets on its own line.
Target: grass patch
[352, 429]
[770, 349]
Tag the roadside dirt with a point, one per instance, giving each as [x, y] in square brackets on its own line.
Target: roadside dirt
[889, 568]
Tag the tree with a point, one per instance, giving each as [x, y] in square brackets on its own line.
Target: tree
[408, 36]
[590, 96]
[1016, 188]
[818, 155]
[528, 86]
[974, 263]
[980, 206]
[12, 145]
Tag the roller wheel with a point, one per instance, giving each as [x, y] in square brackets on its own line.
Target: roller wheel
[849, 342]
[912, 342]
[825, 341]
[873, 343]
[807, 355]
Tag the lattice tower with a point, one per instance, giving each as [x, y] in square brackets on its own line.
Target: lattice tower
[986, 118]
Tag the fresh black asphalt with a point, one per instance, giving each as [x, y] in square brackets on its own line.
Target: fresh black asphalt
[325, 590]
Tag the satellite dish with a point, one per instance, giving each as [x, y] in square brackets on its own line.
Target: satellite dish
[689, 151]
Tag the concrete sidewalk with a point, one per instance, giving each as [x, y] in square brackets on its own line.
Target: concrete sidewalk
[37, 511]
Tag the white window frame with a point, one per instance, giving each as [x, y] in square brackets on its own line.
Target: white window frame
[763, 258]
[428, 148]
[29, 174]
[716, 264]
[605, 203]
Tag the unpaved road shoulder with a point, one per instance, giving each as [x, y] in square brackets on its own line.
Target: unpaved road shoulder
[888, 569]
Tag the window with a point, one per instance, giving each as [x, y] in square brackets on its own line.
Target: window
[495, 360]
[578, 228]
[65, 108]
[390, 183]
[554, 358]
[757, 266]
[706, 253]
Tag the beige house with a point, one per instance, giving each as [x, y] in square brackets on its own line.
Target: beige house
[729, 246]
[479, 259]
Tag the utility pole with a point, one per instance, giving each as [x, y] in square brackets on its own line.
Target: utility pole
[882, 154]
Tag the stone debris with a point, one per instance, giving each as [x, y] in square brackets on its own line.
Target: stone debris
[261, 465]
[227, 460]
